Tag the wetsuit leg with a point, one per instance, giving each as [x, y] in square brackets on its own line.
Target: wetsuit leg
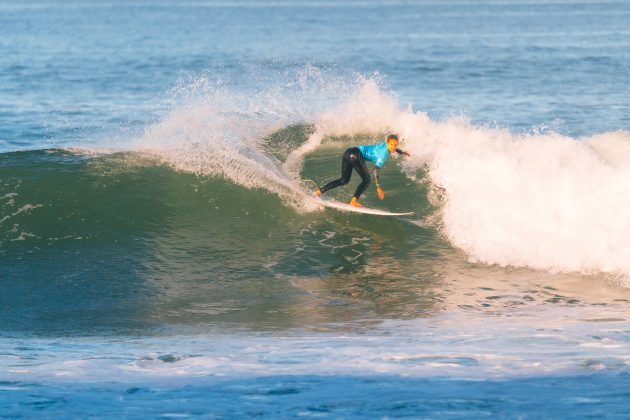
[359, 165]
[346, 170]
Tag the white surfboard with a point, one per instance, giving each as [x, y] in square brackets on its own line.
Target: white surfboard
[365, 210]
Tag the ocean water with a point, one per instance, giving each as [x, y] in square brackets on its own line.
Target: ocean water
[161, 256]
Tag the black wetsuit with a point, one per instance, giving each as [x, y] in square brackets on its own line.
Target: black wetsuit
[352, 158]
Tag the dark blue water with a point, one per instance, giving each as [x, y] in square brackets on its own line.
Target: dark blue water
[160, 255]
[317, 396]
[70, 68]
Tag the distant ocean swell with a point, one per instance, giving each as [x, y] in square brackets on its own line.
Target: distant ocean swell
[540, 199]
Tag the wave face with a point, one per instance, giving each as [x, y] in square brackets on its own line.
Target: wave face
[123, 243]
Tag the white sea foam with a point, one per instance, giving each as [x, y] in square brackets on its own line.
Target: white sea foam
[24, 209]
[458, 345]
[202, 140]
[542, 201]
[215, 130]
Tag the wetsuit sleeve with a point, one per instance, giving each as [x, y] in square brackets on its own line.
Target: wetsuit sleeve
[377, 176]
[402, 152]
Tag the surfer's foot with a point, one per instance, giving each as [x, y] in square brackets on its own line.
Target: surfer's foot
[317, 192]
[355, 202]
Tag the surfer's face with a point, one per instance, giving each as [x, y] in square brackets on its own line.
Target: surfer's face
[392, 145]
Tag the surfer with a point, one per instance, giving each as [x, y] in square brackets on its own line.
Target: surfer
[355, 157]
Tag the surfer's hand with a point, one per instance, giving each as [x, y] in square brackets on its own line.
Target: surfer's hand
[381, 193]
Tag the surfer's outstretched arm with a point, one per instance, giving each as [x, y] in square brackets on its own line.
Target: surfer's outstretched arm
[402, 152]
[377, 181]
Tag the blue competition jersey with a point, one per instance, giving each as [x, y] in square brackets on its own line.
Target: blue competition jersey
[376, 153]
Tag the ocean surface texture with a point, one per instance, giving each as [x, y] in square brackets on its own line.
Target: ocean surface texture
[161, 254]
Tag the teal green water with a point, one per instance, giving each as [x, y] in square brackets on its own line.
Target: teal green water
[121, 243]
